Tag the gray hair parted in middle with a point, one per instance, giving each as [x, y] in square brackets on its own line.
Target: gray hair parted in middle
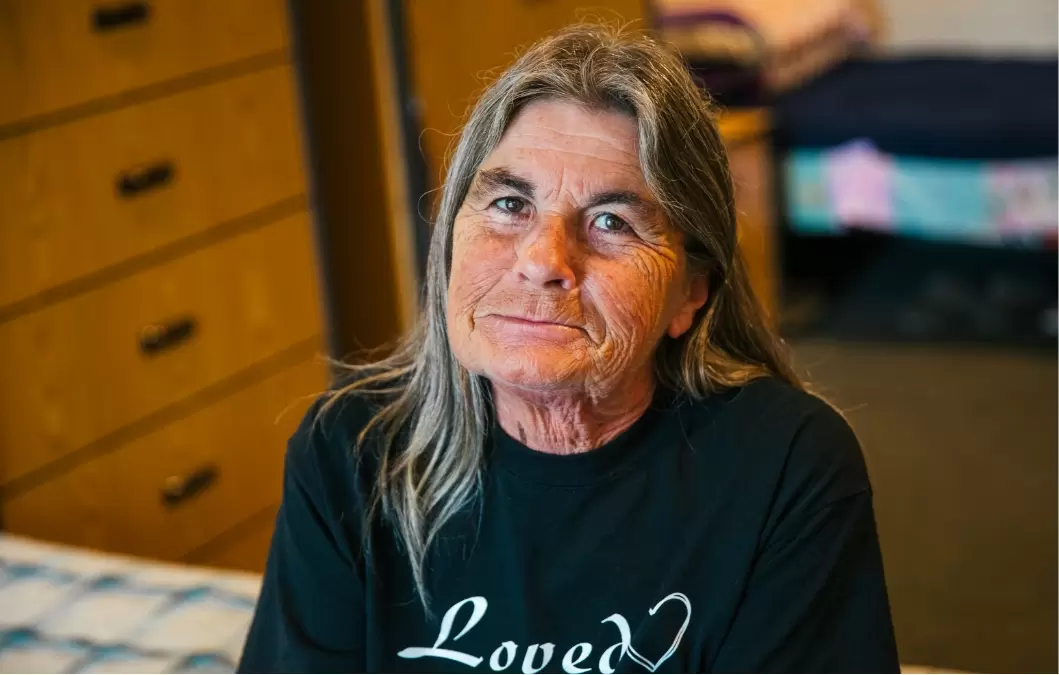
[432, 423]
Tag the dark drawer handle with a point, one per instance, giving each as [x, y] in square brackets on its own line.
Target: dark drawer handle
[118, 16]
[137, 181]
[160, 337]
[179, 489]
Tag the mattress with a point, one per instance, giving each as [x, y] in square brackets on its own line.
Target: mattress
[76, 611]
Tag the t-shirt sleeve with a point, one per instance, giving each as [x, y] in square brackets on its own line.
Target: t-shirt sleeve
[310, 614]
[816, 597]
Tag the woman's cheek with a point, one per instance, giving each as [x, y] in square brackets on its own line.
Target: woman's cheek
[478, 264]
[632, 297]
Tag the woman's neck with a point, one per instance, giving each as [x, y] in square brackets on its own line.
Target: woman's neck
[562, 422]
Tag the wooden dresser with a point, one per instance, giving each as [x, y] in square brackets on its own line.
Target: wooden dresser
[160, 314]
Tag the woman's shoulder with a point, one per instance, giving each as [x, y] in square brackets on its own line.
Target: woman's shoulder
[766, 404]
[330, 446]
[327, 482]
[770, 427]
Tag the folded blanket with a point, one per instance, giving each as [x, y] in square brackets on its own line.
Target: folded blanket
[787, 41]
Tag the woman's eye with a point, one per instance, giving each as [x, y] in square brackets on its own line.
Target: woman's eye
[512, 205]
[608, 222]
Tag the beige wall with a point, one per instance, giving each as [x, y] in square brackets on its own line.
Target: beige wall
[989, 26]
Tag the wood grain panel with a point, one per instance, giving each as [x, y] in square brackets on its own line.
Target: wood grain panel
[750, 159]
[76, 371]
[231, 148]
[118, 497]
[246, 549]
[52, 56]
[353, 158]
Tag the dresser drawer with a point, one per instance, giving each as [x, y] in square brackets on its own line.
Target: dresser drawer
[79, 197]
[59, 53]
[245, 547]
[87, 367]
[166, 493]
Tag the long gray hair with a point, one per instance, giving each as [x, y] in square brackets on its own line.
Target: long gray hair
[432, 427]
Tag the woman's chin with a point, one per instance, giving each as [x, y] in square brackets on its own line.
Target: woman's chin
[536, 367]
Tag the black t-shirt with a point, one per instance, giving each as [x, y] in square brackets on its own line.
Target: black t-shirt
[731, 534]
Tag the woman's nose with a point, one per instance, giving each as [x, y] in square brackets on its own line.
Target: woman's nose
[545, 256]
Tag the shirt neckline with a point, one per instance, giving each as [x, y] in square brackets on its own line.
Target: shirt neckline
[583, 468]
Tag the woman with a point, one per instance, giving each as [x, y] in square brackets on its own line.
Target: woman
[592, 454]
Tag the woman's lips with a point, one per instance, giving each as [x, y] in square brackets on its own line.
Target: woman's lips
[538, 328]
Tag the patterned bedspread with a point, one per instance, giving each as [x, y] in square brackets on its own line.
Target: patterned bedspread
[70, 610]
[983, 201]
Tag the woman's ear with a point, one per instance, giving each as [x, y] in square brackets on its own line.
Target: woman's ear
[697, 293]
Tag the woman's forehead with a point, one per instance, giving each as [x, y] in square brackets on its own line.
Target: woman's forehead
[569, 143]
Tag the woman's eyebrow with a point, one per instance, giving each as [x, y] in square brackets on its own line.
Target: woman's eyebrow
[643, 207]
[488, 181]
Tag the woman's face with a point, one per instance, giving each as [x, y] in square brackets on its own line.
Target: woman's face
[565, 272]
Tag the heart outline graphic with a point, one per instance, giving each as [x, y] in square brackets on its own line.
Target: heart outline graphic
[653, 666]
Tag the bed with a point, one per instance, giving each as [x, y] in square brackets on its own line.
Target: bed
[71, 610]
[919, 199]
[939, 148]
